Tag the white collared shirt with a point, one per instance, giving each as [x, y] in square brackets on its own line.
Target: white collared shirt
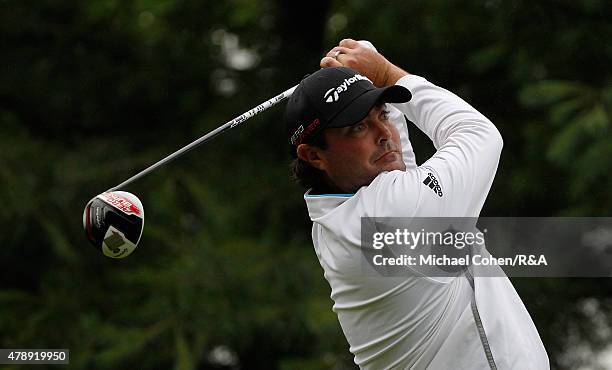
[421, 322]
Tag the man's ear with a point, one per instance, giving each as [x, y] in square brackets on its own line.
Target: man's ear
[312, 155]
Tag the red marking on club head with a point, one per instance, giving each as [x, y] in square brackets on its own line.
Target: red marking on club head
[122, 203]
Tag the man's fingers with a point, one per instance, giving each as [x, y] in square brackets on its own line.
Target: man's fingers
[349, 43]
[337, 51]
[332, 58]
[327, 62]
[342, 55]
[368, 45]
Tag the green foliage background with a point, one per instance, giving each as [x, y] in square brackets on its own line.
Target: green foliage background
[225, 276]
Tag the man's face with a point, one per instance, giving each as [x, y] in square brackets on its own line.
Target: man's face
[355, 155]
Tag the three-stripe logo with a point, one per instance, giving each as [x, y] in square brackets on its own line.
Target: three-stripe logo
[433, 184]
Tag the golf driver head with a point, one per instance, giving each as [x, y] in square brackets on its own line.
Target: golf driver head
[113, 222]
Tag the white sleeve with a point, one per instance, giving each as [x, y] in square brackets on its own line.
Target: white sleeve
[455, 181]
[397, 117]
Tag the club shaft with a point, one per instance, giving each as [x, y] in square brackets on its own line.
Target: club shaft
[227, 126]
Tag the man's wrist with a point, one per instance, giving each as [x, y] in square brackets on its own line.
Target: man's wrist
[393, 74]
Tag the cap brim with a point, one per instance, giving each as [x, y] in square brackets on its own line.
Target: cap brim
[359, 108]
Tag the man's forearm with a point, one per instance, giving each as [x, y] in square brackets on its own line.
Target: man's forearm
[440, 113]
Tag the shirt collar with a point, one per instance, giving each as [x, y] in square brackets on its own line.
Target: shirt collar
[321, 204]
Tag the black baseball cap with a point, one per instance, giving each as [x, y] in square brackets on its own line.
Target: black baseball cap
[334, 97]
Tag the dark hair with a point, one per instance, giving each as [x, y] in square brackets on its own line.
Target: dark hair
[305, 174]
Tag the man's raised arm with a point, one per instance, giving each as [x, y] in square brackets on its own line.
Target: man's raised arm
[468, 144]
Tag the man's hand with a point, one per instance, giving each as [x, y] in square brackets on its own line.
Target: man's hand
[352, 54]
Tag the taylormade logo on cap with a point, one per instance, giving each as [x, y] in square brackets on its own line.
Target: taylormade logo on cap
[333, 94]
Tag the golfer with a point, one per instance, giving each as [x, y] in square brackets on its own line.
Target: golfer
[349, 137]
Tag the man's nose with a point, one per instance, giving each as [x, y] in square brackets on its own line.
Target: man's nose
[384, 132]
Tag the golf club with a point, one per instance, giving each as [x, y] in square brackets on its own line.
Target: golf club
[226, 126]
[114, 220]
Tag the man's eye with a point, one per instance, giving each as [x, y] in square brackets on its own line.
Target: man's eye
[358, 127]
[384, 115]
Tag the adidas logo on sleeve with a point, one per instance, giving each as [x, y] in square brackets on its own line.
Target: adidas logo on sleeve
[433, 184]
